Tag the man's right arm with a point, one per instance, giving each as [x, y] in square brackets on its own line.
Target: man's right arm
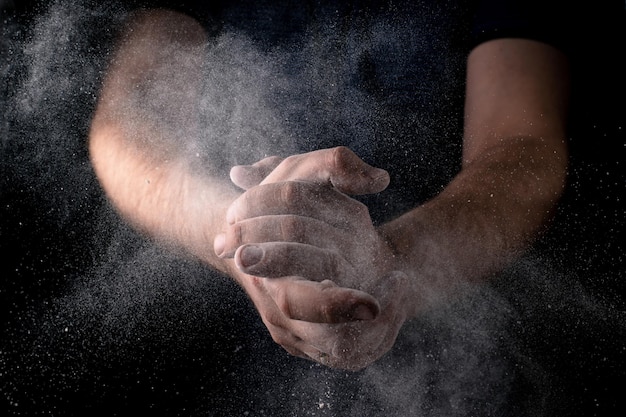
[144, 125]
[143, 143]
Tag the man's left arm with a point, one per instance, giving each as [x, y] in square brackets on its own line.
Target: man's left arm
[513, 172]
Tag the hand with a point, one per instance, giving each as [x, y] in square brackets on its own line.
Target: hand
[300, 218]
[349, 345]
[303, 227]
[339, 167]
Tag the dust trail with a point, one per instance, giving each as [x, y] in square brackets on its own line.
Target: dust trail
[100, 318]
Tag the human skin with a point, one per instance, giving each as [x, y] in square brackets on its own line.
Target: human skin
[345, 305]
[307, 235]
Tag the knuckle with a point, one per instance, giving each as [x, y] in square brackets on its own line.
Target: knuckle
[239, 208]
[231, 212]
[289, 164]
[328, 285]
[274, 318]
[272, 161]
[237, 234]
[360, 208]
[282, 302]
[339, 159]
[331, 266]
[326, 312]
[232, 239]
[290, 160]
[289, 193]
[291, 229]
[258, 284]
[244, 200]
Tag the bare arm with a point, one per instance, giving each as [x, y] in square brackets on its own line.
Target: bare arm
[145, 120]
[144, 144]
[514, 167]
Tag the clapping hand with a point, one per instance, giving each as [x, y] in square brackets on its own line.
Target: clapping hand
[323, 279]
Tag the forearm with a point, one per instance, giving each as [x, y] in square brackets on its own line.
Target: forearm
[143, 128]
[481, 221]
[161, 197]
[514, 167]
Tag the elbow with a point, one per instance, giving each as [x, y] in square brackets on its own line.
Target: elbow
[103, 154]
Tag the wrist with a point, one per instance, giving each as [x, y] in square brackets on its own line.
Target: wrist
[431, 272]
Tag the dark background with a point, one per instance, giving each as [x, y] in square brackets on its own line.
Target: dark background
[56, 229]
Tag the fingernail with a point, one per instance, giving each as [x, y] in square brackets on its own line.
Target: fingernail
[250, 255]
[219, 243]
[364, 312]
[379, 175]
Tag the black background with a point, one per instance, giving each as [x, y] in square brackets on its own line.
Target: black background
[49, 241]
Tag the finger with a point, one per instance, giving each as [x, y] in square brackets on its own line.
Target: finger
[325, 338]
[357, 344]
[278, 324]
[381, 335]
[248, 176]
[290, 342]
[299, 338]
[392, 293]
[339, 166]
[281, 228]
[284, 259]
[301, 199]
[320, 302]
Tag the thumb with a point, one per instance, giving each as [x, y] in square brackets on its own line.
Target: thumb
[248, 176]
[320, 302]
